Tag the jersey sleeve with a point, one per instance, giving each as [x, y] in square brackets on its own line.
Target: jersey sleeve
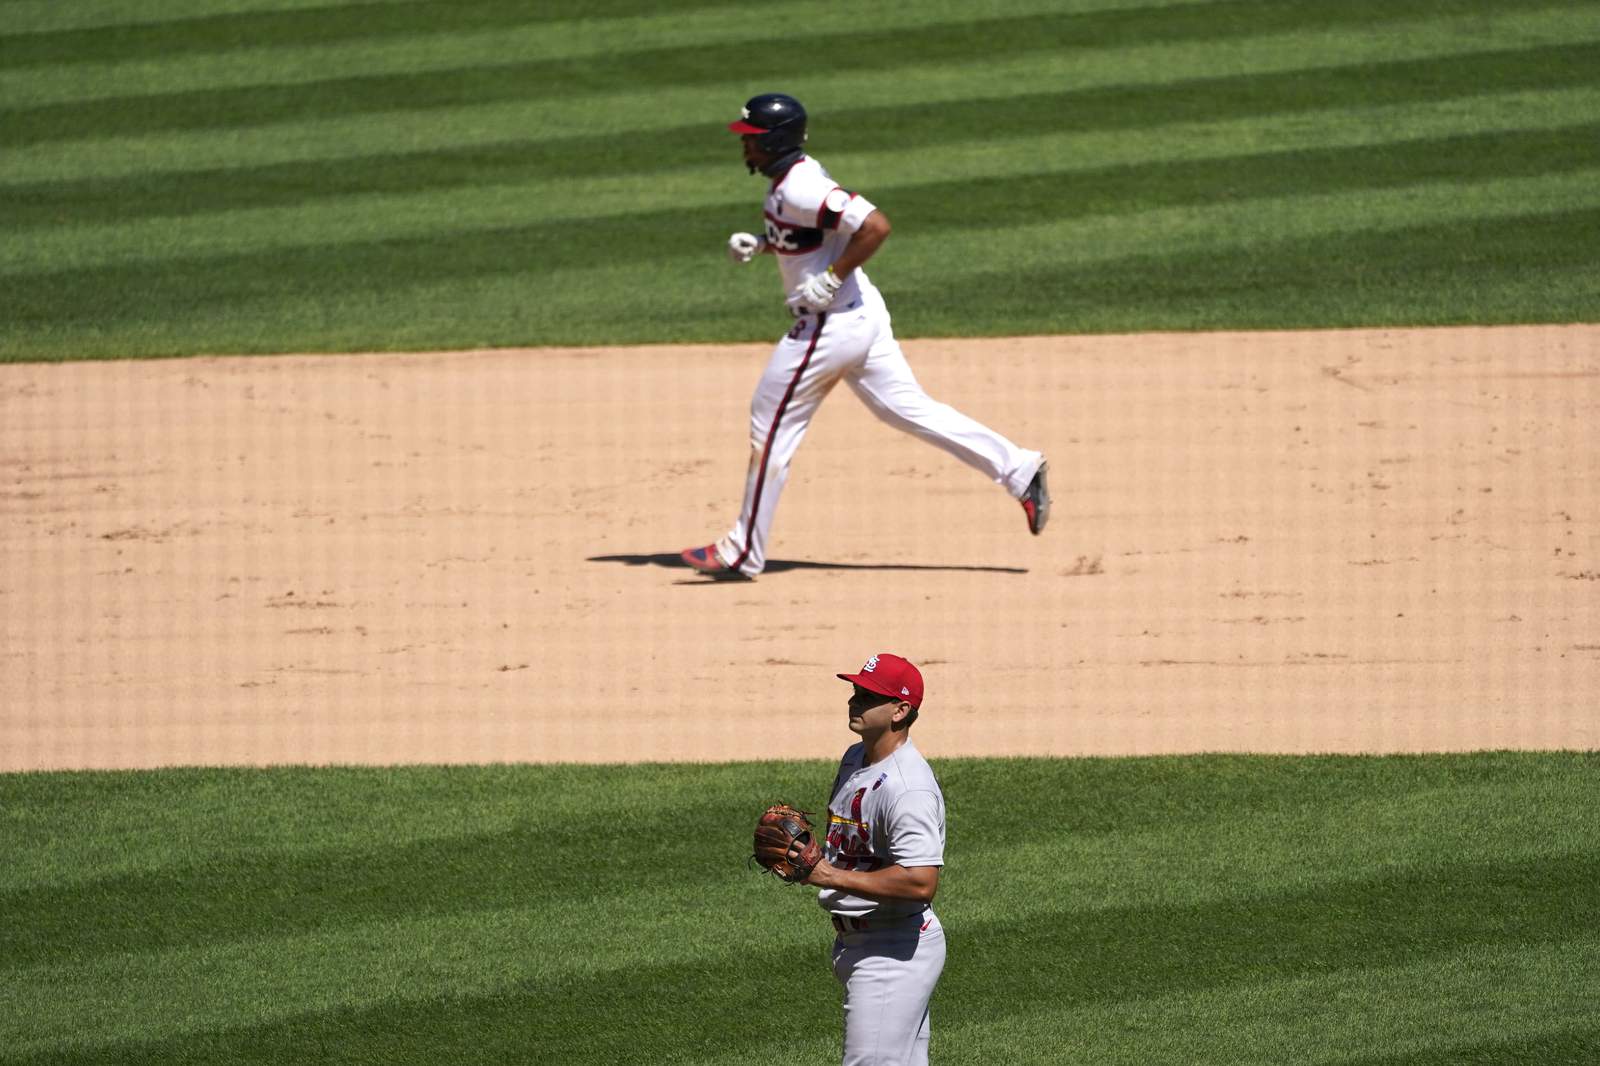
[840, 209]
[916, 830]
[855, 212]
[818, 203]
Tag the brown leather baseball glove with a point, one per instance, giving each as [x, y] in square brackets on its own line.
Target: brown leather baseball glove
[784, 844]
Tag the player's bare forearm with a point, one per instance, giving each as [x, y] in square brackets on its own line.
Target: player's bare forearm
[891, 883]
[863, 244]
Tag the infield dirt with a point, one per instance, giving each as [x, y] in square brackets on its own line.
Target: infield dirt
[1354, 541]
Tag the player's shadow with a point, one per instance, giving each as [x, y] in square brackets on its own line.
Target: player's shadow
[673, 561]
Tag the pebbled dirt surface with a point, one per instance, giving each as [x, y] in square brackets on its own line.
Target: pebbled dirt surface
[1354, 541]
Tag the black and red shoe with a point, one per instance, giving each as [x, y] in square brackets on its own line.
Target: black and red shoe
[1036, 501]
[707, 561]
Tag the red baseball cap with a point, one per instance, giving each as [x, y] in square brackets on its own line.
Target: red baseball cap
[889, 675]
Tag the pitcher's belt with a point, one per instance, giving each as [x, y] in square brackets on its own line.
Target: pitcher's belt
[846, 924]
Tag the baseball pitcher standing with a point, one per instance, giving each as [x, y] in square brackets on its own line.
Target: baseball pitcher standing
[880, 870]
[821, 234]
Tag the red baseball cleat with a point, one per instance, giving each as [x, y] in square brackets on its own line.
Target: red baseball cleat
[707, 561]
[1036, 502]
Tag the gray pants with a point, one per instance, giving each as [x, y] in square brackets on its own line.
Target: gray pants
[888, 977]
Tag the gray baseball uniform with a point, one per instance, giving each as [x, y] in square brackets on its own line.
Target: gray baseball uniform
[888, 956]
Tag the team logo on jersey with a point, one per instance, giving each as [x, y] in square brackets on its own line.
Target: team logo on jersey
[786, 239]
[850, 837]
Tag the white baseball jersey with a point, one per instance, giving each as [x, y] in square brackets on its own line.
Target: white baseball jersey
[809, 220]
[888, 813]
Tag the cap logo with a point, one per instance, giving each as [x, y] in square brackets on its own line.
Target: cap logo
[744, 112]
[872, 664]
[904, 691]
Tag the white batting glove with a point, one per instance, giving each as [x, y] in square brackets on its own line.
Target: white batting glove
[743, 247]
[816, 293]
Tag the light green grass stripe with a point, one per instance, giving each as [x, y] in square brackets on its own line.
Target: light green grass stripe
[157, 821]
[129, 838]
[1447, 1005]
[487, 207]
[1238, 225]
[48, 16]
[1453, 999]
[566, 39]
[1299, 851]
[1186, 142]
[917, 85]
[189, 989]
[186, 990]
[346, 321]
[1023, 248]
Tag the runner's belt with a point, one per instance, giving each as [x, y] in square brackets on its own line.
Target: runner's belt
[800, 312]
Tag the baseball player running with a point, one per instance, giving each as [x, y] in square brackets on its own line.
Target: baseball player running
[880, 871]
[821, 234]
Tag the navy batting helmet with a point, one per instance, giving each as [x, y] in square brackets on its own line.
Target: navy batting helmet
[777, 120]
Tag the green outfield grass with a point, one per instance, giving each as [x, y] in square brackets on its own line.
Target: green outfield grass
[187, 176]
[1224, 909]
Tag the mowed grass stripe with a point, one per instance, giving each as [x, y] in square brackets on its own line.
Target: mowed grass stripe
[425, 983]
[573, 276]
[690, 165]
[180, 906]
[137, 822]
[52, 16]
[1526, 267]
[1117, 954]
[1505, 268]
[202, 31]
[531, 951]
[1181, 164]
[703, 62]
[133, 823]
[438, 50]
[1426, 1013]
[916, 86]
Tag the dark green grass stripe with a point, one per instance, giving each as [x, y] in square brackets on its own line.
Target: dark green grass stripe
[307, 26]
[158, 287]
[653, 1014]
[697, 64]
[1205, 99]
[296, 893]
[1384, 921]
[1577, 1045]
[1471, 270]
[1522, 268]
[487, 871]
[1108, 956]
[1032, 198]
[325, 889]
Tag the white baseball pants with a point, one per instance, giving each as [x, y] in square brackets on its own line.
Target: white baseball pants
[857, 346]
[888, 979]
